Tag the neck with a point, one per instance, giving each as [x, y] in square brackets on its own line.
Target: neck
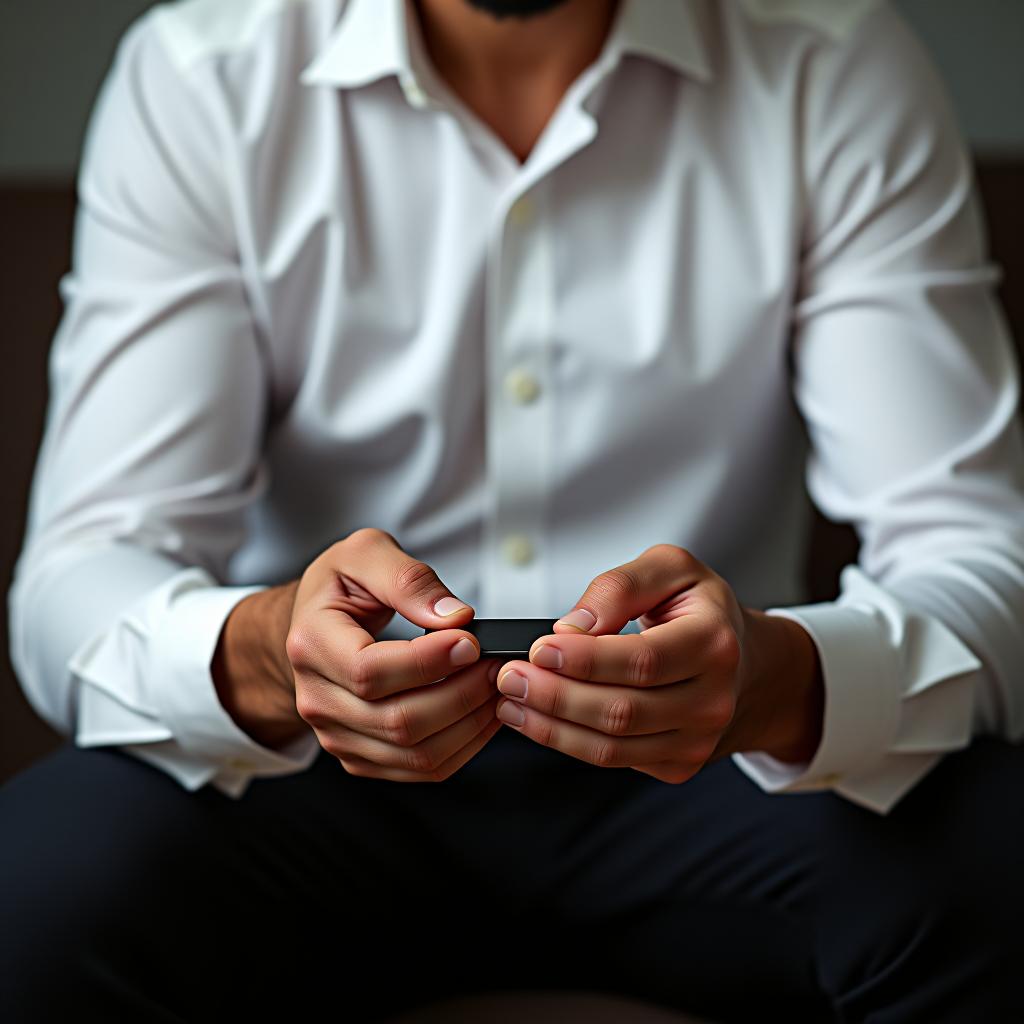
[477, 51]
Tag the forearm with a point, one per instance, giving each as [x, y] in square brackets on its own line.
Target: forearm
[251, 671]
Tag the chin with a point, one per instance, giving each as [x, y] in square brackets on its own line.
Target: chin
[515, 8]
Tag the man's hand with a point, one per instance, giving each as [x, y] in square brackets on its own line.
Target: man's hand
[705, 677]
[304, 656]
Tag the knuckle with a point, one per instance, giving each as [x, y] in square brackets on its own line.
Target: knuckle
[584, 658]
[725, 649]
[545, 733]
[395, 726]
[356, 767]
[421, 760]
[617, 586]
[331, 745]
[446, 769]
[309, 707]
[557, 700]
[699, 754]
[421, 669]
[644, 665]
[367, 536]
[415, 578]
[467, 705]
[674, 555]
[334, 555]
[362, 676]
[619, 716]
[299, 647]
[361, 689]
[607, 754]
[719, 711]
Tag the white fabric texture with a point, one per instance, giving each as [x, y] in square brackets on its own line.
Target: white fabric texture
[312, 292]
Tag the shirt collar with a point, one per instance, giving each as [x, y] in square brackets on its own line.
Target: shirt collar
[671, 32]
[369, 42]
[372, 41]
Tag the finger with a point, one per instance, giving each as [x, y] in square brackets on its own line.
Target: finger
[671, 652]
[627, 591]
[410, 717]
[355, 579]
[667, 771]
[396, 579]
[609, 709]
[360, 767]
[407, 718]
[423, 757]
[587, 744]
[341, 652]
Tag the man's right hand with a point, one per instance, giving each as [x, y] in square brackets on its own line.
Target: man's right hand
[304, 655]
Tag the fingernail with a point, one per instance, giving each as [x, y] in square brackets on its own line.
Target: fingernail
[449, 606]
[511, 713]
[463, 652]
[513, 684]
[547, 657]
[580, 619]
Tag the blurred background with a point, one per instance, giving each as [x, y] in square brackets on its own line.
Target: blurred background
[53, 55]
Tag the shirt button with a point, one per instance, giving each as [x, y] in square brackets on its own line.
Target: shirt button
[518, 550]
[523, 387]
[521, 212]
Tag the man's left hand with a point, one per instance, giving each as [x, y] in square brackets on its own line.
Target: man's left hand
[704, 678]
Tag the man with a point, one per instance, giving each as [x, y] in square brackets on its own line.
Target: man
[513, 294]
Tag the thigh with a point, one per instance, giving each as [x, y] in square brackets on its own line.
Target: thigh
[526, 869]
[701, 897]
[125, 896]
[719, 899]
[921, 910]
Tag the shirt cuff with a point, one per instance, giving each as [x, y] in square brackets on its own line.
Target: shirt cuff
[899, 692]
[216, 748]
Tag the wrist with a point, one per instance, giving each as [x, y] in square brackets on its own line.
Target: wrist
[251, 672]
[780, 707]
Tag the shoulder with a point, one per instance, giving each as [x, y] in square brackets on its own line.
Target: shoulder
[193, 31]
[783, 44]
[858, 52]
[834, 20]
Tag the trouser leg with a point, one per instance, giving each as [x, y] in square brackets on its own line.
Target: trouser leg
[126, 898]
[922, 910]
[719, 899]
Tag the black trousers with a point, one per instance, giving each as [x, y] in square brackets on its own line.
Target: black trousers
[126, 898]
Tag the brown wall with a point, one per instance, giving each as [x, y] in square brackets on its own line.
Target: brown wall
[35, 228]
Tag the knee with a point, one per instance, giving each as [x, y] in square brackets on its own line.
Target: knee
[77, 862]
[931, 889]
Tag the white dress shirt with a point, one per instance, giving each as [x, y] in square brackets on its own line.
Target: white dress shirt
[311, 291]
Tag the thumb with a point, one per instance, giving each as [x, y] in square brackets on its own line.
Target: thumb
[402, 582]
[630, 590]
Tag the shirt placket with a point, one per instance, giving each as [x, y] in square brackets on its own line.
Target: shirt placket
[520, 394]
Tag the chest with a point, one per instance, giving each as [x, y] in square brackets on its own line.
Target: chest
[650, 249]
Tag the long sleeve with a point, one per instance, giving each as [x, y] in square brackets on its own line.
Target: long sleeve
[906, 378]
[151, 451]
